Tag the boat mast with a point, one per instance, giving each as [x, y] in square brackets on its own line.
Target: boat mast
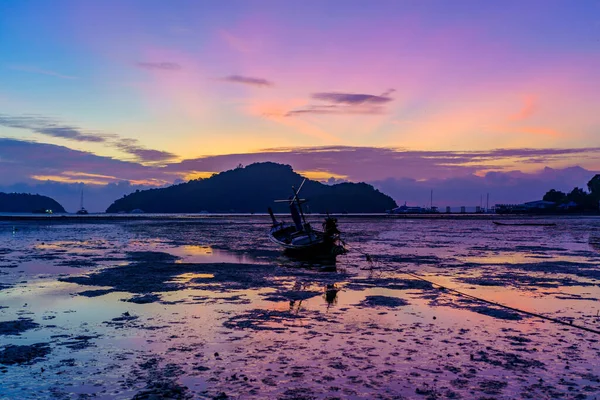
[297, 200]
[81, 207]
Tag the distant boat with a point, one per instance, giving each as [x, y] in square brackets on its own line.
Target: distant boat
[524, 224]
[300, 239]
[137, 211]
[42, 211]
[82, 210]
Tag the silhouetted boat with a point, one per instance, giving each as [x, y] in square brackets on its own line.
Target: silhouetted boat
[82, 210]
[525, 224]
[300, 239]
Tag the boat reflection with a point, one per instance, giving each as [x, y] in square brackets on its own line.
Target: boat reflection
[330, 295]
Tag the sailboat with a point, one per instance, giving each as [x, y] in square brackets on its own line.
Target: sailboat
[82, 210]
[299, 238]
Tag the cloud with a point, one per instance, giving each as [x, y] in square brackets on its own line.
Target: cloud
[164, 66]
[457, 178]
[471, 191]
[19, 160]
[351, 98]
[142, 154]
[346, 103]
[48, 127]
[372, 163]
[247, 80]
[529, 108]
[36, 70]
[335, 109]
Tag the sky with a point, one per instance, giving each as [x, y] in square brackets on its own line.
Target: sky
[407, 95]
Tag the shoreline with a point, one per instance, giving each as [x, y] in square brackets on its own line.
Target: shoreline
[185, 216]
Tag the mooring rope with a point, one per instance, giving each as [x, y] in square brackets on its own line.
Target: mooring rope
[570, 324]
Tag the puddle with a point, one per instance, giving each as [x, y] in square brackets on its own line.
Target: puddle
[206, 254]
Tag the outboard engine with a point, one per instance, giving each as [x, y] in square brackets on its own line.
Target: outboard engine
[330, 227]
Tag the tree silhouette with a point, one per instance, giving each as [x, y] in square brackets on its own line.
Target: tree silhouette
[555, 196]
[594, 186]
[577, 195]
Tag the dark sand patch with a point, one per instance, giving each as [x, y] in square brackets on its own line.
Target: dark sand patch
[95, 293]
[121, 321]
[153, 272]
[492, 387]
[297, 394]
[262, 320]
[389, 283]
[143, 299]
[383, 301]
[235, 299]
[291, 295]
[31, 354]
[16, 327]
[509, 361]
[150, 256]
[164, 390]
[478, 307]
[497, 312]
[2, 287]
[79, 342]
[513, 279]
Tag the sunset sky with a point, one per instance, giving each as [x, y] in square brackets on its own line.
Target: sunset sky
[148, 92]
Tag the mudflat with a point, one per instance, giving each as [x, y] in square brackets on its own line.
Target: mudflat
[209, 308]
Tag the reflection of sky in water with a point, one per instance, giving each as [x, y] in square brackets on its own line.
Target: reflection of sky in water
[444, 251]
[206, 254]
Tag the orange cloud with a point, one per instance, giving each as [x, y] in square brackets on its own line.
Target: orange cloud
[321, 175]
[66, 179]
[527, 110]
[198, 175]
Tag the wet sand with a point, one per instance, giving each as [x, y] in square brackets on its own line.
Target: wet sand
[208, 308]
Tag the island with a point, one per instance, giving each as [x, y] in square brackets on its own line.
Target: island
[253, 189]
[28, 203]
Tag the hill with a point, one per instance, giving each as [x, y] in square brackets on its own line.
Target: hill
[26, 203]
[253, 189]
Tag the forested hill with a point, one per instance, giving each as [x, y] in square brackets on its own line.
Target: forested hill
[26, 203]
[253, 189]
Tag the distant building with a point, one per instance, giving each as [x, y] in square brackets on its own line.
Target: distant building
[413, 210]
[529, 207]
[568, 206]
[539, 204]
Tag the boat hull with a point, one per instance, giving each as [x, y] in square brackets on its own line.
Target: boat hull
[305, 245]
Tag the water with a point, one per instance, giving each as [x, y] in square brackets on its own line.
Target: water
[286, 329]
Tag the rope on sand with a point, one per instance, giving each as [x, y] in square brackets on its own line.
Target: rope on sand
[570, 324]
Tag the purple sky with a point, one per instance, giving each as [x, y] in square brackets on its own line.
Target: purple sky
[471, 96]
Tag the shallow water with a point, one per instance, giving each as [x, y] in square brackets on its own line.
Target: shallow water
[211, 305]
